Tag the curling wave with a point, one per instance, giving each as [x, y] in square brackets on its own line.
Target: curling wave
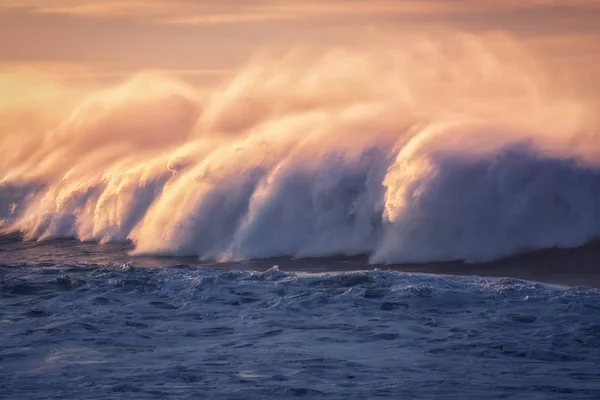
[454, 149]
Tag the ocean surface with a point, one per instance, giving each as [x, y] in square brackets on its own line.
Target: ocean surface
[88, 321]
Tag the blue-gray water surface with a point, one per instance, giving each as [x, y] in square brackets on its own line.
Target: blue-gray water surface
[82, 321]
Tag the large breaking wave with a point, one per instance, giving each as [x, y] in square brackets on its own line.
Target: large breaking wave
[420, 150]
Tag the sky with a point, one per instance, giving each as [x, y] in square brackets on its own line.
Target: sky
[203, 39]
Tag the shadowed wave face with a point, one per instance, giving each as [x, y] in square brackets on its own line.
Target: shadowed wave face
[426, 149]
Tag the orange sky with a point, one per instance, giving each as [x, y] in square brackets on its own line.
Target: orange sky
[201, 38]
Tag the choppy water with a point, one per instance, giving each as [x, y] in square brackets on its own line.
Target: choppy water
[100, 328]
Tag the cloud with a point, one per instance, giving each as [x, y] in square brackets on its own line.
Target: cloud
[201, 35]
[232, 11]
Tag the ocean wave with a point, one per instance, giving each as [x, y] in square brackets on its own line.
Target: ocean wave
[409, 155]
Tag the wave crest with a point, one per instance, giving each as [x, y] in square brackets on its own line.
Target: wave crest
[412, 154]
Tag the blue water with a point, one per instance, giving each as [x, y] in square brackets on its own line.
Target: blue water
[83, 321]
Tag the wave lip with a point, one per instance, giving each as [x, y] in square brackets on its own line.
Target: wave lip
[483, 208]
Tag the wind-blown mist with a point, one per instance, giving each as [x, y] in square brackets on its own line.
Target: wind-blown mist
[413, 150]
